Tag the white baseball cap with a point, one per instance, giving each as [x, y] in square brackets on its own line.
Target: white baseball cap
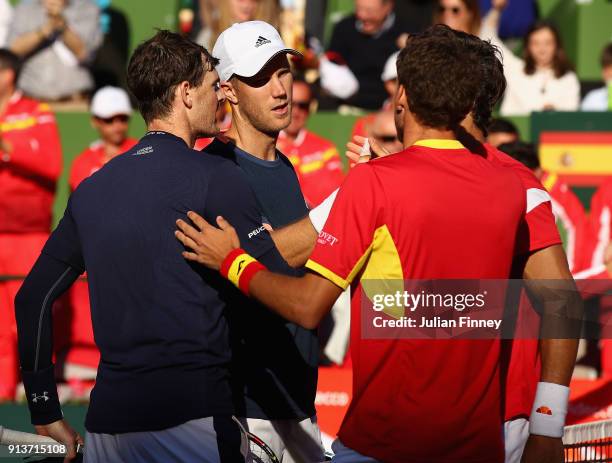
[245, 48]
[390, 69]
[110, 101]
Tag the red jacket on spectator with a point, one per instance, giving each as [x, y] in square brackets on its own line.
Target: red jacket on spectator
[598, 233]
[571, 220]
[28, 174]
[316, 162]
[29, 170]
[91, 160]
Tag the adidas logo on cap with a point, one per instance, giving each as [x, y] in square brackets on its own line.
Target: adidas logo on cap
[261, 41]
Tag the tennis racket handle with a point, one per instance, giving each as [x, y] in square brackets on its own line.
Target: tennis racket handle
[11, 437]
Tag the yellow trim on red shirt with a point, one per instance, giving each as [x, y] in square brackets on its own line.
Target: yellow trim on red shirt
[440, 144]
[326, 273]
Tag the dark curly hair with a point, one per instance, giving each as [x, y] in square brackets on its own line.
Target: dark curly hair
[439, 71]
[158, 65]
[493, 83]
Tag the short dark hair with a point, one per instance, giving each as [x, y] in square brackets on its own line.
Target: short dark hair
[436, 69]
[606, 56]
[9, 60]
[523, 152]
[561, 63]
[158, 65]
[503, 126]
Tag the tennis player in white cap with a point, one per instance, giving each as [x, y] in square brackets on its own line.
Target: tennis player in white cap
[275, 362]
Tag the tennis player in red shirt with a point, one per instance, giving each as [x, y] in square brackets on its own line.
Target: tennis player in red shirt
[30, 164]
[544, 259]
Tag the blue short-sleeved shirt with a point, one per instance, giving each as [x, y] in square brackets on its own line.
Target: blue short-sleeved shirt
[159, 321]
[275, 362]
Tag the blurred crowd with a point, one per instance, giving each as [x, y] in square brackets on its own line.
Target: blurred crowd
[58, 52]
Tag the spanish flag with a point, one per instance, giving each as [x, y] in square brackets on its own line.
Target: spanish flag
[579, 158]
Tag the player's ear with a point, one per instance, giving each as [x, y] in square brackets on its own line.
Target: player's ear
[184, 92]
[400, 97]
[229, 91]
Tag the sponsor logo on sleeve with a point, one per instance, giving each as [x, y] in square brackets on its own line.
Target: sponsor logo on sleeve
[544, 410]
[256, 232]
[326, 238]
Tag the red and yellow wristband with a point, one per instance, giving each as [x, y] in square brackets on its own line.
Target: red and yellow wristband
[240, 268]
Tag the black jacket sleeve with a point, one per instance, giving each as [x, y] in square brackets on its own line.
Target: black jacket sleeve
[48, 279]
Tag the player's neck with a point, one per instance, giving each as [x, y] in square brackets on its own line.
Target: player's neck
[411, 136]
[178, 130]
[256, 143]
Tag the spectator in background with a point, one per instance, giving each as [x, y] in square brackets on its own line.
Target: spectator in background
[109, 65]
[6, 15]
[383, 131]
[389, 79]
[567, 208]
[502, 131]
[315, 159]
[601, 98]
[515, 19]
[364, 41]
[218, 15]
[30, 164]
[544, 79]
[461, 15]
[56, 39]
[598, 260]
[110, 116]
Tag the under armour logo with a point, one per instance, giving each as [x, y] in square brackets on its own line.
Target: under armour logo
[261, 41]
[44, 397]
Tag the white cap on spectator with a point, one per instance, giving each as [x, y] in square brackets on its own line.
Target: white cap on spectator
[110, 101]
[390, 69]
[245, 48]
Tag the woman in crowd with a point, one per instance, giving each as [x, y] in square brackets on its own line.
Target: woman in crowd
[543, 80]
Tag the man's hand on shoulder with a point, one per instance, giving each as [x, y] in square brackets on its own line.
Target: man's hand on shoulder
[208, 245]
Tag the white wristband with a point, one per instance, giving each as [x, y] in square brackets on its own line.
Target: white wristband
[549, 410]
[318, 215]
